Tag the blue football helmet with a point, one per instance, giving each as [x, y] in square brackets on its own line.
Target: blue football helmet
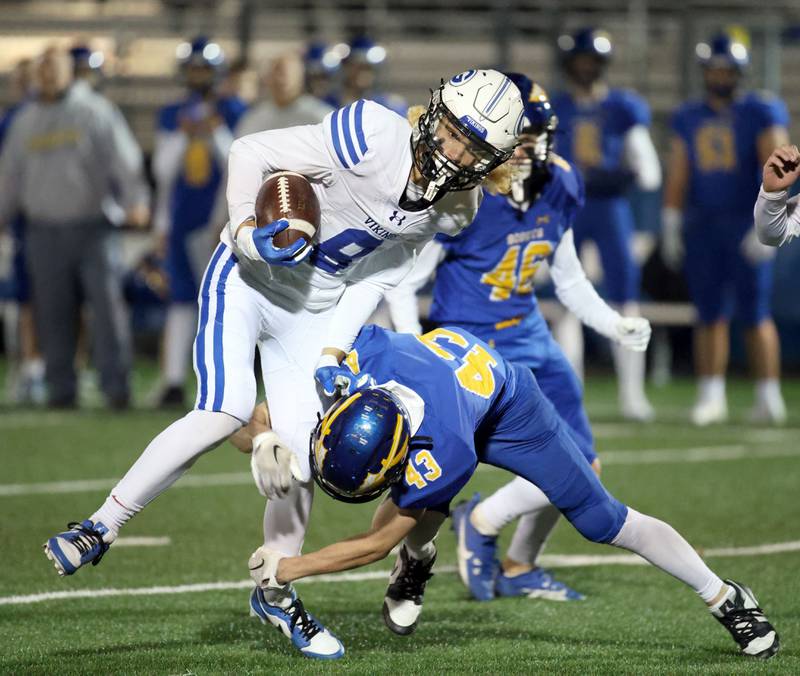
[586, 41]
[319, 58]
[724, 51]
[536, 140]
[201, 51]
[365, 50]
[360, 446]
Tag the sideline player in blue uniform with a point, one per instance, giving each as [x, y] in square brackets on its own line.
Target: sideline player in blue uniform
[361, 69]
[449, 401]
[484, 284]
[719, 145]
[605, 133]
[191, 151]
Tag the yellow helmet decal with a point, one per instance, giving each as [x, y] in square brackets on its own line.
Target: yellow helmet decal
[397, 454]
[320, 450]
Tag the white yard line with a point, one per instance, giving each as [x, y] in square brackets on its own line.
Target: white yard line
[143, 541]
[547, 560]
[656, 456]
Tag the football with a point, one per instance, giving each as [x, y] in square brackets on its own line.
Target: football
[286, 194]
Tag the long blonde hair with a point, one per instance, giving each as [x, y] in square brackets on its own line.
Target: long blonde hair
[498, 180]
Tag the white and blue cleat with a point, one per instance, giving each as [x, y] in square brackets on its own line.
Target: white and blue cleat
[536, 584]
[83, 543]
[477, 554]
[306, 633]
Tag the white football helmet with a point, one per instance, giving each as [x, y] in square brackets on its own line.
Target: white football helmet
[481, 109]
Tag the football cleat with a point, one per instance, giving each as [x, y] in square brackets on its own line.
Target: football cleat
[303, 629]
[746, 622]
[83, 543]
[477, 562]
[536, 584]
[403, 601]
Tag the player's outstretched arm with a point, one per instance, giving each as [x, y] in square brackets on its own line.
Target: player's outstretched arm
[578, 295]
[269, 567]
[776, 217]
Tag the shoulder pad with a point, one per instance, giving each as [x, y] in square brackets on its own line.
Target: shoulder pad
[168, 117]
[565, 185]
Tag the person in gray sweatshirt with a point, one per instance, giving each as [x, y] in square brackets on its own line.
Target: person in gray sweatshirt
[65, 168]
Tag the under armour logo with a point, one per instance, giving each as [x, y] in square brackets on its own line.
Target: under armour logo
[396, 216]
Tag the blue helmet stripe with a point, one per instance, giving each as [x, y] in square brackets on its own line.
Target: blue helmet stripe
[496, 98]
[337, 145]
[362, 141]
[348, 135]
[219, 362]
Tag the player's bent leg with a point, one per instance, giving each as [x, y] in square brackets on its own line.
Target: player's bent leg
[402, 603]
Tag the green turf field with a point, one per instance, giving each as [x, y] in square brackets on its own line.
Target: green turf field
[727, 487]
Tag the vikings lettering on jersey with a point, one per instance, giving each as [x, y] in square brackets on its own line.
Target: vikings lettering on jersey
[358, 161]
[725, 171]
[487, 274]
[459, 377]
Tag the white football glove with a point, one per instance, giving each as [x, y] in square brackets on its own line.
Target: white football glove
[633, 333]
[263, 565]
[754, 251]
[274, 465]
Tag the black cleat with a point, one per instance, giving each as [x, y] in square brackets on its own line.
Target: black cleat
[746, 622]
[402, 604]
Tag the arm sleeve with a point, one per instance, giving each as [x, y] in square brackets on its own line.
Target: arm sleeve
[576, 292]
[777, 219]
[300, 149]
[402, 299]
[641, 157]
[373, 277]
[221, 140]
[170, 147]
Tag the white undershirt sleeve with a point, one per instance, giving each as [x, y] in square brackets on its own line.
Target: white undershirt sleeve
[402, 299]
[641, 157]
[777, 219]
[168, 153]
[372, 278]
[301, 149]
[576, 292]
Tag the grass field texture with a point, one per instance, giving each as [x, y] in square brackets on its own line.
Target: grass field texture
[732, 486]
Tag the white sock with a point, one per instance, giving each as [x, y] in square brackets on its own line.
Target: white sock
[420, 541]
[286, 520]
[568, 332]
[163, 462]
[509, 502]
[710, 388]
[768, 393]
[630, 368]
[531, 534]
[179, 332]
[665, 548]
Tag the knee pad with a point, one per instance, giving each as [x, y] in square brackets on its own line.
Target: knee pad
[601, 521]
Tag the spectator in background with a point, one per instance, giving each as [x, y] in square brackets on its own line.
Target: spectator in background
[60, 165]
[286, 105]
[605, 133]
[87, 67]
[361, 68]
[322, 65]
[718, 147]
[189, 158]
[25, 379]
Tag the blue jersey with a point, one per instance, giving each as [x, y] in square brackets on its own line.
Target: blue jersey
[592, 135]
[460, 379]
[195, 189]
[487, 274]
[725, 170]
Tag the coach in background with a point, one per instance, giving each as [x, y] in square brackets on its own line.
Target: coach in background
[776, 216]
[718, 147]
[63, 167]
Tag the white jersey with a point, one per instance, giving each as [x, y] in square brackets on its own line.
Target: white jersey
[358, 161]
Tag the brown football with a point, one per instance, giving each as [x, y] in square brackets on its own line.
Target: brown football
[288, 195]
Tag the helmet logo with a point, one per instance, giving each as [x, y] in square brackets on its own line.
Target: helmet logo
[474, 125]
[461, 78]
